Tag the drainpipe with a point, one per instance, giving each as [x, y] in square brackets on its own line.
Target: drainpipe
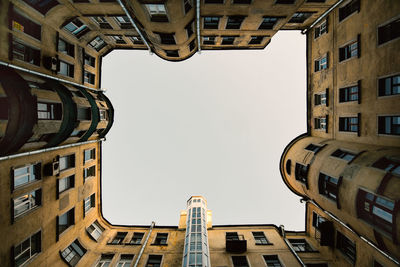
[198, 25]
[49, 149]
[134, 25]
[283, 234]
[144, 245]
[47, 76]
[351, 230]
[322, 16]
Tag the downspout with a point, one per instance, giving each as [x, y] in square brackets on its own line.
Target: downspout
[283, 234]
[47, 76]
[351, 230]
[198, 26]
[134, 25]
[49, 149]
[322, 16]
[144, 245]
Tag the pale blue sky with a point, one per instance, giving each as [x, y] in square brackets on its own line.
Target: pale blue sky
[213, 125]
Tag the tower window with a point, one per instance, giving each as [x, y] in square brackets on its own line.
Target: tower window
[317, 220]
[27, 202]
[314, 148]
[348, 124]
[268, 23]
[157, 12]
[27, 174]
[95, 230]
[349, 9]
[345, 155]
[239, 261]
[389, 85]
[154, 261]
[234, 22]
[301, 172]
[389, 125]
[300, 17]
[73, 253]
[161, 239]
[260, 238]
[349, 51]
[27, 249]
[272, 261]
[389, 31]
[76, 28]
[300, 245]
[346, 246]
[65, 221]
[172, 53]
[388, 165]
[211, 22]
[348, 94]
[328, 186]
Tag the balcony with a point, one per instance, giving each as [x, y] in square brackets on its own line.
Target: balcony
[325, 234]
[235, 243]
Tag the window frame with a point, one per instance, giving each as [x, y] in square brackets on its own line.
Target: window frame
[210, 25]
[70, 183]
[73, 251]
[385, 24]
[323, 25]
[342, 247]
[37, 166]
[241, 257]
[79, 31]
[349, 124]
[345, 94]
[344, 154]
[301, 173]
[259, 240]
[70, 158]
[346, 51]
[391, 165]
[38, 235]
[343, 7]
[69, 68]
[37, 199]
[321, 66]
[97, 227]
[137, 239]
[381, 81]
[89, 155]
[300, 245]
[89, 203]
[328, 186]
[70, 215]
[118, 239]
[392, 125]
[154, 255]
[158, 241]
[272, 257]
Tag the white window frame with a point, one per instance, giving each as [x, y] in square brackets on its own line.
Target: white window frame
[29, 174]
[28, 200]
[156, 9]
[97, 228]
[27, 249]
[322, 29]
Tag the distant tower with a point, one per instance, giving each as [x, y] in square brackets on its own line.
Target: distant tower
[196, 252]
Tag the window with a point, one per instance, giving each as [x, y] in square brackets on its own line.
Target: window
[211, 22]
[321, 63]
[73, 253]
[21, 51]
[388, 165]
[377, 210]
[89, 60]
[328, 186]
[320, 99]
[76, 28]
[105, 260]
[119, 238]
[349, 51]
[49, 111]
[161, 239]
[157, 12]
[66, 48]
[315, 1]
[124, 22]
[348, 94]
[97, 43]
[234, 22]
[27, 249]
[172, 53]
[348, 124]
[187, 4]
[272, 260]
[95, 230]
[65, 221]
[232, 236]
[321, 29]
[89, 203]
[67, 162]
[209, 40]
[300, 245]
[317, 220]
[27, 174]
[125, 260]
[137, 238]
[268, 23]
[301, 173]
[66, 69]
[213, 1]
[21, 22]
[389, 85]
[317, 265]
[154, 261]
[314, 148]
[377, 264]
[189, 29]
[27, 202]
[289, 166]
[102, 22]
[239, 261]
[89, 154]
[389, 125]
[167, 38]
[228, 40]
[244, 2]
[300, 17]
[256, 39]
[286, 2]
[192, 45]
[103, 114]
[66, 183]
[136, 39]
[320, 123]
[348, 156]
[260, 238]
[84, 114]
[42, 6]
[89, 77]
[349, 9]
[389, 31]
[347, 247]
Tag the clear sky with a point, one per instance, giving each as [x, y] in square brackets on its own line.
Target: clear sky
[214, 125]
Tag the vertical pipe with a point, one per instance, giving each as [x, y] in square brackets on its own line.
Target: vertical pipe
[144, 245]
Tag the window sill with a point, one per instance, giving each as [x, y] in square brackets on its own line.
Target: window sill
[22, 215]
[24, 186]
[269, 244]
[60, 194]
[159, 245]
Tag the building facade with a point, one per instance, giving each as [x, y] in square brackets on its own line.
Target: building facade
[54, 117]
